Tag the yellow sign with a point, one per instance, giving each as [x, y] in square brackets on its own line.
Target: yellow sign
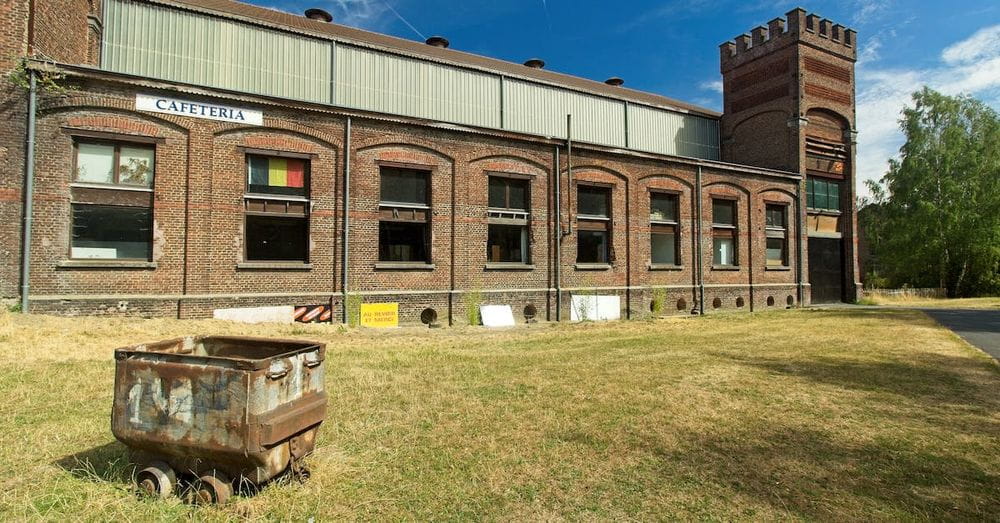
[379, 314]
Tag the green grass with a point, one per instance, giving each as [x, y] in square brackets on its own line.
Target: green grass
[805, 414]
[876, 298]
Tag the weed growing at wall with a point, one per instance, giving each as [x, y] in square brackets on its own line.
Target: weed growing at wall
[354, 309]
[658, 303]
[473, 299]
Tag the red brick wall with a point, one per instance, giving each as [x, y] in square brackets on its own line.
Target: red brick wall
[200, 183]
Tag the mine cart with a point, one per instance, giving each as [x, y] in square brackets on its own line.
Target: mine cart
[217, 411]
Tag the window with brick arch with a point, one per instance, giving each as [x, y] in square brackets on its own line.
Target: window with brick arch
[276, 207]
[593, 219]
[776, 231]
[664, 234]
[404, 227]
[724, 233]
[508, 216]
[112, 200]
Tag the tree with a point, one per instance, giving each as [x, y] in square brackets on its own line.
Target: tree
[934, 219]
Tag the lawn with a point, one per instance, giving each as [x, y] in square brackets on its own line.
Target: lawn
[876, 298]
[803, 414]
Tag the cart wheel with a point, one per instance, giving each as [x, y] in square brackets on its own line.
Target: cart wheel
[212, 487]
[157, 480]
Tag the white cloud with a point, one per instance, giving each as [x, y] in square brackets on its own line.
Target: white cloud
[868, 10]
[984, 44]
[712, 85]
[971, 66]
[360, 13]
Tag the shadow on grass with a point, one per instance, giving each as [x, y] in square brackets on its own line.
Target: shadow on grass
[810, 474]
[930, 377]
[106, 463]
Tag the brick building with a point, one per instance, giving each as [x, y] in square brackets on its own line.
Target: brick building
[191, 156]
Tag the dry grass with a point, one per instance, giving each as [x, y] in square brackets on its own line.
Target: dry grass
[838, 414]
[877, 298]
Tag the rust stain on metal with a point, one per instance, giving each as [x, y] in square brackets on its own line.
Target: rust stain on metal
[249, 407]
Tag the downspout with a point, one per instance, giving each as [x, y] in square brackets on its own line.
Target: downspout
[701, 246]
[750, 256]
[345, 241]
[29, 189]
[558, 237]
[798, 241]
[569, 174]
[628, 253]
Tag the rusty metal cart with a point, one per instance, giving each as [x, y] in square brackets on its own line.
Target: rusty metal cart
[217, 410]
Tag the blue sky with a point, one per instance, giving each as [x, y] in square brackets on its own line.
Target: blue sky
[671, 47]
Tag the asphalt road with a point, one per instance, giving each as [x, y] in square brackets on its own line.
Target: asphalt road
[978, 327]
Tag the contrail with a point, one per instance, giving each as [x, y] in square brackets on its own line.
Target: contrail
[404, 20]
[548, 20]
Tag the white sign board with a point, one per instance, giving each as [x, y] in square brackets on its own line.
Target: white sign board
[496, 315]
[281, 314]
[595, 308]
[224, 113]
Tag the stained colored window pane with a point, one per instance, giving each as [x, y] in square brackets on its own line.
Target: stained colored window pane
[277, 172]
[296, 173]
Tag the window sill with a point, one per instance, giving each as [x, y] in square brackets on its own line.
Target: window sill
[777, 268]
[106, 264]
[405, 266]
[725, 267]
[665, 267]
[501, 266]
[592, 266]
[823, 212]
[274, 266]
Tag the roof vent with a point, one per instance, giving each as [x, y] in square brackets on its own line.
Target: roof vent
[438, 41]
[318, 14]
[615, 81]
[535, 63]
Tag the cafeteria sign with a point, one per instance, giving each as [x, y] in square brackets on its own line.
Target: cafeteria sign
[379, 314]
[225, 113]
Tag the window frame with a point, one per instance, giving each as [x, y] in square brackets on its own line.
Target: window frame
[775, 232]
[811, 182]
[674, 223]
[731, 228]
[413, 208]
[268, 199]
[510, 216]
[602, 223]
[116, 141]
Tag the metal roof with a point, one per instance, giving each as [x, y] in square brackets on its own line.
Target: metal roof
[274, 18]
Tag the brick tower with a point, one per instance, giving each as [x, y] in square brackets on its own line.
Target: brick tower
[788, 95]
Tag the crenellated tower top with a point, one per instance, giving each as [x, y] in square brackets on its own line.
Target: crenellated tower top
[798, 26]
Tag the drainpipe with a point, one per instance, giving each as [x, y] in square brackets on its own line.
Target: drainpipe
[798, 241]
[347, 215]
[569, 174]
[29, 189]
[701, 247]
[558, 237]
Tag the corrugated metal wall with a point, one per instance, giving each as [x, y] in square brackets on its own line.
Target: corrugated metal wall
[658, 131]
[386, 83]
[171, 44]
[540, 109]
